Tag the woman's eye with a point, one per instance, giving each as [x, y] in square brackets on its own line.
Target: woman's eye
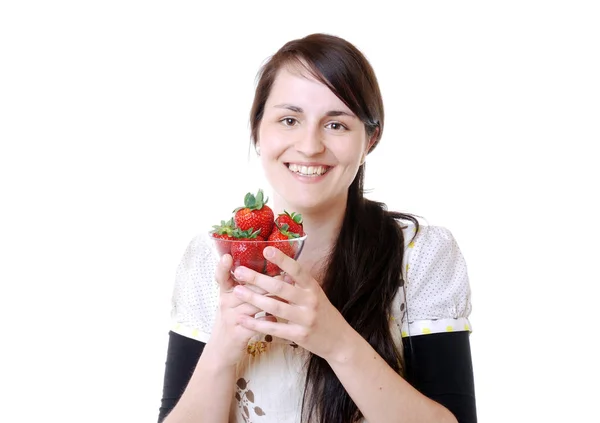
[336, 126]
[289, 121]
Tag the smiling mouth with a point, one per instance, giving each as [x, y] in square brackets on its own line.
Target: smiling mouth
[310, 171]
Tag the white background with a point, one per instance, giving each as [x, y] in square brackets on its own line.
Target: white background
[124, 132]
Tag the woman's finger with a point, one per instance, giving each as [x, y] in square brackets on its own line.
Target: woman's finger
[268, 304]
[223, 275]
[291, 267]
[288, 331]
[247, 309]
[274, 286]
[267, 318]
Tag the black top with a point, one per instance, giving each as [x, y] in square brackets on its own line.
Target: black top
[438, 365]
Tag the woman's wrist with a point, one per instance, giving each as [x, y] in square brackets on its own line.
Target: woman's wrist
[346, 348]
[220, 355]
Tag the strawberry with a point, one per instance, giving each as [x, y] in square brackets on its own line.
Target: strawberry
[224, 231]
[272, 269]
[280, 238]
[255, 215]
[294, 222]
[248, 251]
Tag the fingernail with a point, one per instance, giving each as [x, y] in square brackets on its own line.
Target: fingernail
[269, 252]
[239, 273]
[238, 291]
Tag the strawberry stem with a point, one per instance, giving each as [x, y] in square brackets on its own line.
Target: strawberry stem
[284, 229]
[248, 234]
[296, 217]
[225, 228]
[253, 202]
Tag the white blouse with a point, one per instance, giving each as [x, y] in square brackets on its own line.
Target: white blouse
[270, 379]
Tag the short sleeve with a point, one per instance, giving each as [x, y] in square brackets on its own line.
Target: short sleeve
[438, 294]
[196, 293]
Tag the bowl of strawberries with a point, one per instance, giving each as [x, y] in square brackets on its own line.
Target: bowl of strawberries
[254, 227]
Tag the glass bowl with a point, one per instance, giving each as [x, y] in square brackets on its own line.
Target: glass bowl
[249, 253]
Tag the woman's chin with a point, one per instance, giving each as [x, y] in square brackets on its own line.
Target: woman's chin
[311, 203]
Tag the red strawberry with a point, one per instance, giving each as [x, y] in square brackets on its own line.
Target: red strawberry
[247, 251]
[255, 215]
[294, 222]
[280, 238]
[224, 231]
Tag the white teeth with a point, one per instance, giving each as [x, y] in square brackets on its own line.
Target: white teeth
[308, 170]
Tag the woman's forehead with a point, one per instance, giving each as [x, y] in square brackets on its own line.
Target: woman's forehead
[297, 86]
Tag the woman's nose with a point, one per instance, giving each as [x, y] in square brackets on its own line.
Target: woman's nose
[310, 142]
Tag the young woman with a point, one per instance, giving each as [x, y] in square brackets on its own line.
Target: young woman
[374, 326]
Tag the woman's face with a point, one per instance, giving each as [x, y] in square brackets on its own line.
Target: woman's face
[311, 144]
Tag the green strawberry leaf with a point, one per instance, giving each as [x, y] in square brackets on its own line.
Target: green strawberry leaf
[250, 233]
[254, 202]
[226, 227]
[297, 217]
[250, 201]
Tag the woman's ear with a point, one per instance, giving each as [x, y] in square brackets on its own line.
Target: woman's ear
[370, 144]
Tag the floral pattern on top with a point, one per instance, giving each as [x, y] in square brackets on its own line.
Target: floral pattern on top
[245, 399]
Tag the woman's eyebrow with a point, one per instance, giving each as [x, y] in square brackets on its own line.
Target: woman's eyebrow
[339, 113]
[300, 110]
[289, 107]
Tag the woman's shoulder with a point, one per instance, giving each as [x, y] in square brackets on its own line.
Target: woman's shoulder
[198, 263]
[425, 235]
[195, 293]
[436, 282]
[432, 248]
[198, 247]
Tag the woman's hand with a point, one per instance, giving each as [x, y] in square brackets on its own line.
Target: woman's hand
[229, 338]
[312, 321]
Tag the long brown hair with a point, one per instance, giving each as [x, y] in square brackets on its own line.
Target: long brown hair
[364, 268]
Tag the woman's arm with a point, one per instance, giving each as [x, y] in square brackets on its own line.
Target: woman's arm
[182, 356]
[439, 365]
[210, 390]
[378, 391]
[208, 395]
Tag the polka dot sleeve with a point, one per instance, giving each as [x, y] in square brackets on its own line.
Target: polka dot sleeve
[196, 293]
[438, 295]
